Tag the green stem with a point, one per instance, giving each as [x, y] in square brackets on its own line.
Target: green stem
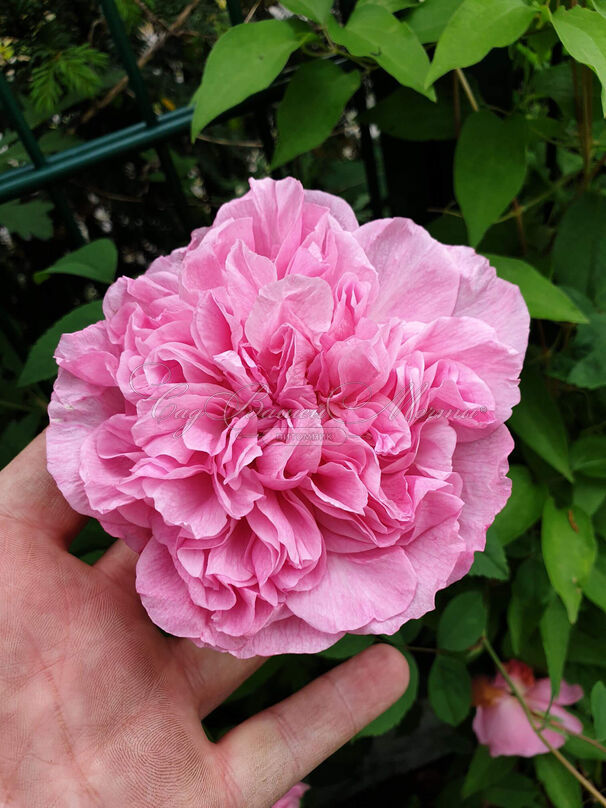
[557, 727]
[527, 712]
[538, 199]
[10, 405]
[467, 89]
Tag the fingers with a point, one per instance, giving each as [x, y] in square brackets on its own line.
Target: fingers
[31, 503]
[118, 563]
[271, 752]
[213, 675]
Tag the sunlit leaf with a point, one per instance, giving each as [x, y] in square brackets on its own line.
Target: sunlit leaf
[311, 107]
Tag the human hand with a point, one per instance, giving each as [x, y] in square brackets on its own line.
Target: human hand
[98, 708]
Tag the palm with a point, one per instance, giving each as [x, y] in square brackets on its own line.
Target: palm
[98, 708]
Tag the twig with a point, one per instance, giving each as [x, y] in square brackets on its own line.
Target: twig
[419, 649]
[11, 405]
[221, 141]
[555, 752]
[147, 54]
[456, 104]
[251, 13]
[541, 198]
[518, 213]
[467, 89]
[446, 212]
[151, 16]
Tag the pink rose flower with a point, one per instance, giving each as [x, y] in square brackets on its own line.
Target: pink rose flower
[293, 798]
[500, 722]
[296, 421]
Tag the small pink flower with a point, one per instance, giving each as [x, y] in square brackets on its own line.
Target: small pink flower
[293, 798]
[298, 422]
[500, 722]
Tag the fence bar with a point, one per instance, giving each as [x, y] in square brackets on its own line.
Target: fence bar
[120, 38]
[38, 159]
[17, 181]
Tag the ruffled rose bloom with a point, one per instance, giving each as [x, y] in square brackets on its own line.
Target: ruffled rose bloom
[500, 722]
[296, 421]
[293, 798]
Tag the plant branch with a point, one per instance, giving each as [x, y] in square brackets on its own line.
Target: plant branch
[456, 104]
[527, 712]
[147, 54]
[538, 199]
[252, 11]
[467, 89]
[519, 217]
[151, 16]
[555, 725]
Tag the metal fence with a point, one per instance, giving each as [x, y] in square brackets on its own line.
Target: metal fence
[45, 172]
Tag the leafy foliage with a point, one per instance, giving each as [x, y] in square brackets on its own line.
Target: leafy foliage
[73, 70]
[486, 120]
[312, 105]
[27, 219]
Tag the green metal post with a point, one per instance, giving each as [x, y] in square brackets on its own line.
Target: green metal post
[120, 38]
[28, 139]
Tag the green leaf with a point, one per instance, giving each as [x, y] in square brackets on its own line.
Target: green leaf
[348, 646]
[97, 261]
[449, 689]
[583, 34]
[588, 644]
[430, 18]
[259, 678]
[462, 622]
[410, 116]
[517, 791]
[475, 28]
[589, 493]
[92, 537]
[311, 108]
[523, 508]
[583, 749]
[562, 788]
[594, 587]
[544, 300]
[555, 634]
[394, 714]
[569, 551]
[598, 710]
[244, 60]
[40, 363]
[489, 168]
[316, 10]
[372, 31]
[537, 420]
[531, 592]
[600, 6]
[27, 219]
[485, 771]
[492, 561]
[391, 5]
[588, 456]
[17, 435]
[583, 362]
[579, 249]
